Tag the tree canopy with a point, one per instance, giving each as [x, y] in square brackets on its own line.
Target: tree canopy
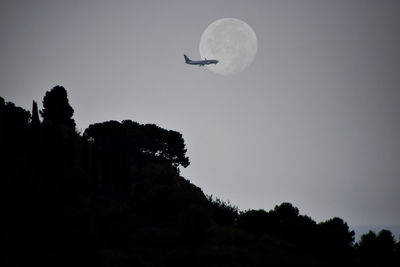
[57, 111]
[140, 140]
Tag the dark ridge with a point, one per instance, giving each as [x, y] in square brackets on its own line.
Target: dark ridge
[114, 196]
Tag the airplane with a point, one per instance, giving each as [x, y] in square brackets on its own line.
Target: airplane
[200, 62]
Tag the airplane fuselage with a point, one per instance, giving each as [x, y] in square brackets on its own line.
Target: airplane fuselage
[200, 62]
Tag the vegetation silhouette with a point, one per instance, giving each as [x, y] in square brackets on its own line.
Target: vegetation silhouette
[114, 196]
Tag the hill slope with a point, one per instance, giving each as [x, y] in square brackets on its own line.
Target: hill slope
[113, 196]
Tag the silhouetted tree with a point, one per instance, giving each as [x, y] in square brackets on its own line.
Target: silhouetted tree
[286, 211]
[257, 221]
[283, 221]
[223, 212]
[377, 249]
[336, 237]
[59, 136]
[397, 251]
[165, 144]
[336, 232]
[292, 226]
[35, 115]
[14, 117]
[2, 119]
[368, 242]
[14, 123]
[386, 241]
[57, 111]
[140, 140]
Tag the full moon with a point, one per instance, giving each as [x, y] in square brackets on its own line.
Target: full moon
[230, 41]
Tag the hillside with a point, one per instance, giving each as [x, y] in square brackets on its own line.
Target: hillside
[114, 196]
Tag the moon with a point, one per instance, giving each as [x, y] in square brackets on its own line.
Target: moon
[232, 42]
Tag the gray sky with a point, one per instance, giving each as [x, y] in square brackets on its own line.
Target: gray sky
[313, 121]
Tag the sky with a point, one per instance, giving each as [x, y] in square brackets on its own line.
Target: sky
[313, 121]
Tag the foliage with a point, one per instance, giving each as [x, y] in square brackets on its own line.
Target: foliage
[222, 211]
[35, 115]
[256, 221]
[336, 233]
[57, 111]
[286, 211]
[379, 250]
[140, 140]
[114, 197]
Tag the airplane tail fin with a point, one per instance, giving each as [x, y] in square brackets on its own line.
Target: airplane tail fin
[186, 58]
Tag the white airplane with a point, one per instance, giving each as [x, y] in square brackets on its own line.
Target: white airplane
[200, 62]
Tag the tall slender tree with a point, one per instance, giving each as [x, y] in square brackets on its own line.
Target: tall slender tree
[35, 115]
